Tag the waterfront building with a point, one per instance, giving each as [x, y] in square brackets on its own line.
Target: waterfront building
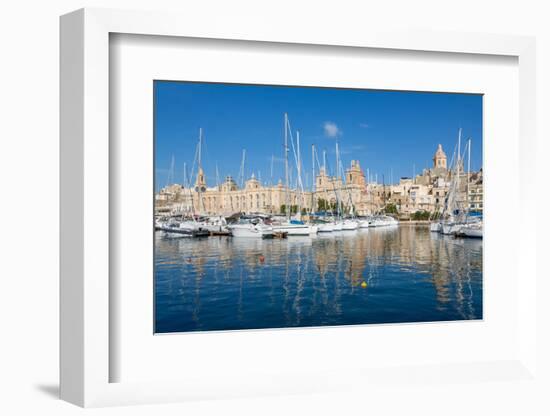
[475, 192]
[424, 192]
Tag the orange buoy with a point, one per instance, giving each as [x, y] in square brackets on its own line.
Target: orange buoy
[364, 284]
[262, 258]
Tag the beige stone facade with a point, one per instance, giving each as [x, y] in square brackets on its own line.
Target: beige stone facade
[424, 192]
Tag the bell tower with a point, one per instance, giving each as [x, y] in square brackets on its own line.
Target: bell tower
[440, 158]
[200, 183]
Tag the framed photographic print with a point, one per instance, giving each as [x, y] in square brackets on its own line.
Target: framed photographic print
[262, 225]
[283, 212]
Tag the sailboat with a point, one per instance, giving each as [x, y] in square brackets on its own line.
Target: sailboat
[323, 225]
[293, 225]
[472, 225]
[348, 224]
[461, 222]
[454, 213]
[189, 225]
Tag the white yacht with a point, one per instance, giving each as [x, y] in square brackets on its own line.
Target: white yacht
[325, 227]
[251, 228]
[185, 228]
[382, 221]
[364, 223]
[296, 228]
[472, 230]
[216, 224]
[349, 225]
[450, 228]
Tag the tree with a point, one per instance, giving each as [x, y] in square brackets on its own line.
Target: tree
[293, 209]
[420, 216]
[390, 209]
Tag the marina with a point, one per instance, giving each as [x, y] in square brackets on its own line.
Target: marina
[320, 239]
[379, 275]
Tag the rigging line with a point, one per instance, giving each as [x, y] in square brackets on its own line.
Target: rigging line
[195, 159]
[295, 156]
[317, 159]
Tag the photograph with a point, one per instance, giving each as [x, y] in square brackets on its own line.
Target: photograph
[279, 206]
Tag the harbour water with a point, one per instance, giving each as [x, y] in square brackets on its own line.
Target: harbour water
[380, 275]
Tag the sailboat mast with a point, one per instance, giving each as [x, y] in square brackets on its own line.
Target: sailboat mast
[185, 185]
[468, 177]
[299, 172]
[200, 146]
[459, 150]
[185, 174]
[201, 207]
[286, 168]
[338, 200]
[313, 180]
[337, 161]
[241, 173]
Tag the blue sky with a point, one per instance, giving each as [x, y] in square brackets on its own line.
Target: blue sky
[389, 132]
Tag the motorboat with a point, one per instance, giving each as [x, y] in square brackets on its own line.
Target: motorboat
[472, 230]
[382, 221]
[216, 224]
[294, 227]
[364, 223]
[349, 225]
[186, 228]
[251, 228]
[325, 226]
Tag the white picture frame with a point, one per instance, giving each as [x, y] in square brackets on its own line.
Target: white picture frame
[85, 219]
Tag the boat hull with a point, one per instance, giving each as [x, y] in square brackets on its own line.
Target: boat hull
[184, 232]
[338, 226]
[296, 229]
[250, 231]
[450, 229]
[349, 225]
[325, 228]
[364, 224]
[471, 232]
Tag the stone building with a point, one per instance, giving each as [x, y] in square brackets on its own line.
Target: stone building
[475, 192]
[424, 192]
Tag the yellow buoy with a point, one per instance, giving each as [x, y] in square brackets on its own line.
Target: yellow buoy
[364, 284]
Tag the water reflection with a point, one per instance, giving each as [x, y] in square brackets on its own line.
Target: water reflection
[411, 275]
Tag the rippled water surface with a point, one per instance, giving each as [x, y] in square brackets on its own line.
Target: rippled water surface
[224, 283]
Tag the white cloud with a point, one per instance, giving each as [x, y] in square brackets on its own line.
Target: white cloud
[331, 129]
[364, 125]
